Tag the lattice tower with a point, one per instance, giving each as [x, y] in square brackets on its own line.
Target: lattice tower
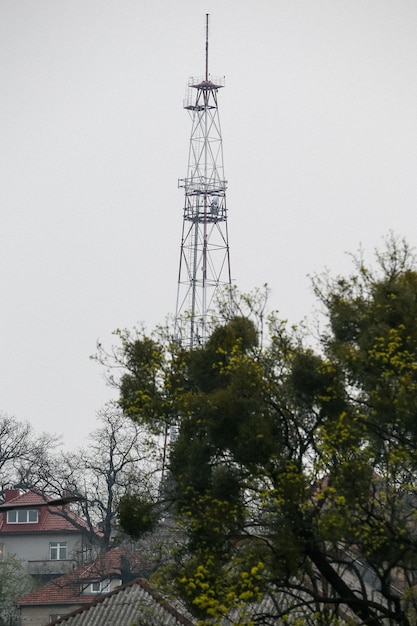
[204, 267]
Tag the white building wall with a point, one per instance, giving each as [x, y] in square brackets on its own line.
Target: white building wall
[35, 549]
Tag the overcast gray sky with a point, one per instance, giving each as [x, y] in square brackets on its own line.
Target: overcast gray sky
[319, 120]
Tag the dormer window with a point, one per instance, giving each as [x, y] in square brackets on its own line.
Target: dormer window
[23, 516]
[100, 587]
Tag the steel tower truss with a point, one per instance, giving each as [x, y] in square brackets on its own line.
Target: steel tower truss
[204, 260]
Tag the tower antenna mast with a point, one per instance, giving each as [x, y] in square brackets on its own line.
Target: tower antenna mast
[207, 23]
[204, 267]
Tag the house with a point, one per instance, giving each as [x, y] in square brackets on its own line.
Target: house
[133, 604]
[79, 587]
[48, 541]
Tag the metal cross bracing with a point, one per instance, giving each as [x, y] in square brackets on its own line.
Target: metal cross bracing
[204, 260]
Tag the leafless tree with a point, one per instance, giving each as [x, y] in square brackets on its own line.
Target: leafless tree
[118, 459]
[20, 449]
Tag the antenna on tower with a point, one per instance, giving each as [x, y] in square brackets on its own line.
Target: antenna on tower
[204, 259]
[207, 25]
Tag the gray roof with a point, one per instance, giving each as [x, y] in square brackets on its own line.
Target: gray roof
[134, 604]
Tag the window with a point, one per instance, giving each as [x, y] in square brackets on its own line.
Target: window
[58, 550]
[99, 587]
[22, 516]
[54, 617]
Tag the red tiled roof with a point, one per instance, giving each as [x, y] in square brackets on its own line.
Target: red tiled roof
[129, 604]
[68, 589]
[49, 520]
[58, 591]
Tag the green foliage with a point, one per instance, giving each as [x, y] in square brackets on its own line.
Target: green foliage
[137, 515]
[294, 468]
[213, 595]
[140, 387]
[14, 583]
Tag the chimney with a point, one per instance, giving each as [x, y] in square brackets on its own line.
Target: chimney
[11, 494]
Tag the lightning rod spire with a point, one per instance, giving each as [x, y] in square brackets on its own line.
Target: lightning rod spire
[207, 25]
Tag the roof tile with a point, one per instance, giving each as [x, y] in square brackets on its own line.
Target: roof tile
[49, 520]
[69, 589]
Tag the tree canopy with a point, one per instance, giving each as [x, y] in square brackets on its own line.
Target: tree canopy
[293, 466]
